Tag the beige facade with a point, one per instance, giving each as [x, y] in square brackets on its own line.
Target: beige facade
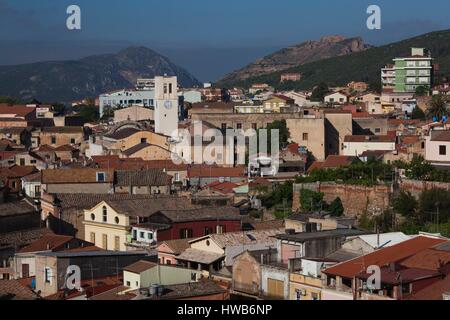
[337, 126]
[149, 152]
[46, 275]
[138, 138]
[133, 113]
[106, 228]
[303, 287]
[247, 274]
[309, 133]
[57, 136]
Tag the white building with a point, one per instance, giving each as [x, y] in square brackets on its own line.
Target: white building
[126, 98]
[336, 98]
[437, 147]
[357, 145]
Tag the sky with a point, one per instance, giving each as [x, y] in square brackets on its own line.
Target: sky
[207, 37]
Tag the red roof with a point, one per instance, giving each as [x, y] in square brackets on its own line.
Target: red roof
[216, 172]
[47, 242]
[223, 187]
[332, 161]
[385, 138]
[17, 110]
[383, 257]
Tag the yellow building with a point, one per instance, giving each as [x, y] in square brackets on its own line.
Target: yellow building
[277, 103]
[306, 284]
[106, 228]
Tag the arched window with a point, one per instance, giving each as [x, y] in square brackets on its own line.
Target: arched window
[105, 214]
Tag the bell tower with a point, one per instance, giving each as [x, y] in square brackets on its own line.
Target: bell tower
[166, 105]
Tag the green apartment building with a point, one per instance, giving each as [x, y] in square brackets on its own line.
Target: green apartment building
[409, 73]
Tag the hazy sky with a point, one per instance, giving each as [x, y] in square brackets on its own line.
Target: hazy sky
[207, 37]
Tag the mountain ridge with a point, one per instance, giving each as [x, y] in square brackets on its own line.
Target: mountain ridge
[298, 54]
[69, 80]
[359, 66]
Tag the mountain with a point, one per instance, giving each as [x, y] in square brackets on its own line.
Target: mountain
[359, 66]
[67, 81]
[309, 51]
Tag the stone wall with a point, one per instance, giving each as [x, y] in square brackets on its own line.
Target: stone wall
[355, 199]
[415, 187]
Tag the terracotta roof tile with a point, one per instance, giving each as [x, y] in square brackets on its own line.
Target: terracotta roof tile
[83, 175]
[47, 242]
[140, 266]
[384, 256]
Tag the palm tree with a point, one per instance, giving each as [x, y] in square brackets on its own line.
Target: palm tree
[438, 107]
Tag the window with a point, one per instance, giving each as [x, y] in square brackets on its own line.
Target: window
[53, 138]
[134, 234]
[117, 243]
[128, 284]
[105, 214]
[105, 241]
[185, 233]
[116, 220]
[92, 237]
[72, 140]
[37, 191]
[254, 126]
[101, 177]
[224, 126]
[177, 177]
[22, 161]
[442, 150]
[305, 136]
[142, 235]
[207, 231]
[150, 236]
[239, 126]
[377, 130]
[143, 140]
[193, 276]
[48, 275]
[92, 217]
[168, 262]
[314, 296]
[32, 161]
[220, 229]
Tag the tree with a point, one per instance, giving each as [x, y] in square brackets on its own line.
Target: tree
[8, 100]
[281, 194]
[422, 91]
[433, 200]
[88, 113]
[438, 108]
[58, 108]
[319, 92]
[417, 113]
[336, 208]
[311, 200]
[418, 168]
[405, 204]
